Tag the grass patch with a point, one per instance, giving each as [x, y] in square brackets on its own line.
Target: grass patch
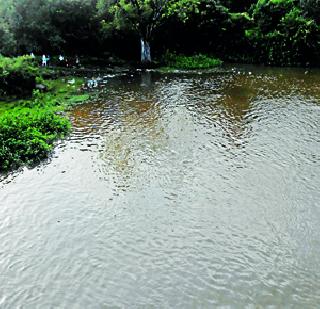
[63, 92]
[190, 62]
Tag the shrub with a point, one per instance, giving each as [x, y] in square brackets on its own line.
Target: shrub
[191, 62]
[27, 135]
[283, 35]
[17, 76]
[311, 9]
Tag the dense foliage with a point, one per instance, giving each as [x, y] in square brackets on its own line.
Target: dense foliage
[27, 135]
[283, 33]
[276, 32]
[191, 62]
[17, 76]
[43, 26]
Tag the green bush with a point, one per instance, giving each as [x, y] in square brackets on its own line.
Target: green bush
[27, 135]
[311, 9]
[283, 35]
[17, 76]
[191, 62]
[268, 13]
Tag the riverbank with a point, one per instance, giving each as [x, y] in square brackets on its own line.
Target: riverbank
[30, 124]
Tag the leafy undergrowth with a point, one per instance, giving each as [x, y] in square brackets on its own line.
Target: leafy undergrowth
[191, 62]
[27, 135]
[28, 128]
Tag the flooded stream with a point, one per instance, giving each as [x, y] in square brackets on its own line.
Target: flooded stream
[173, 191]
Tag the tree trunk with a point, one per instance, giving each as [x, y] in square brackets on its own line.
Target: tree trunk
[145, 51]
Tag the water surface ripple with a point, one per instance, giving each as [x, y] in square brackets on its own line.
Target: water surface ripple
[173, 191]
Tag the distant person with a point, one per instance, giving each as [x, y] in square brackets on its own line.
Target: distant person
[77, 61]
[61, 61]
[32, 55]
[44, 60]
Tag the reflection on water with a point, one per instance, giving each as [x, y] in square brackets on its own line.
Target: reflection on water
[186, 190]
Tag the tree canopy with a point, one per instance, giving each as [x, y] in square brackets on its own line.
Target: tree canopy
[278, 32]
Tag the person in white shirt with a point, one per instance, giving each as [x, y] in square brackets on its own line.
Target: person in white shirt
[44, 61]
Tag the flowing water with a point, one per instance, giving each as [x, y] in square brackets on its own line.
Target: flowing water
[173, 191]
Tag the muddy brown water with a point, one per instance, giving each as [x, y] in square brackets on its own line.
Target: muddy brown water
[173, 191]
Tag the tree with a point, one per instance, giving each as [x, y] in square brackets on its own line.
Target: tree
[238, 5]
[49, 26]
[76, 24]
[141, 16]
[311, 9]
[7, 41]
[283, 34]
